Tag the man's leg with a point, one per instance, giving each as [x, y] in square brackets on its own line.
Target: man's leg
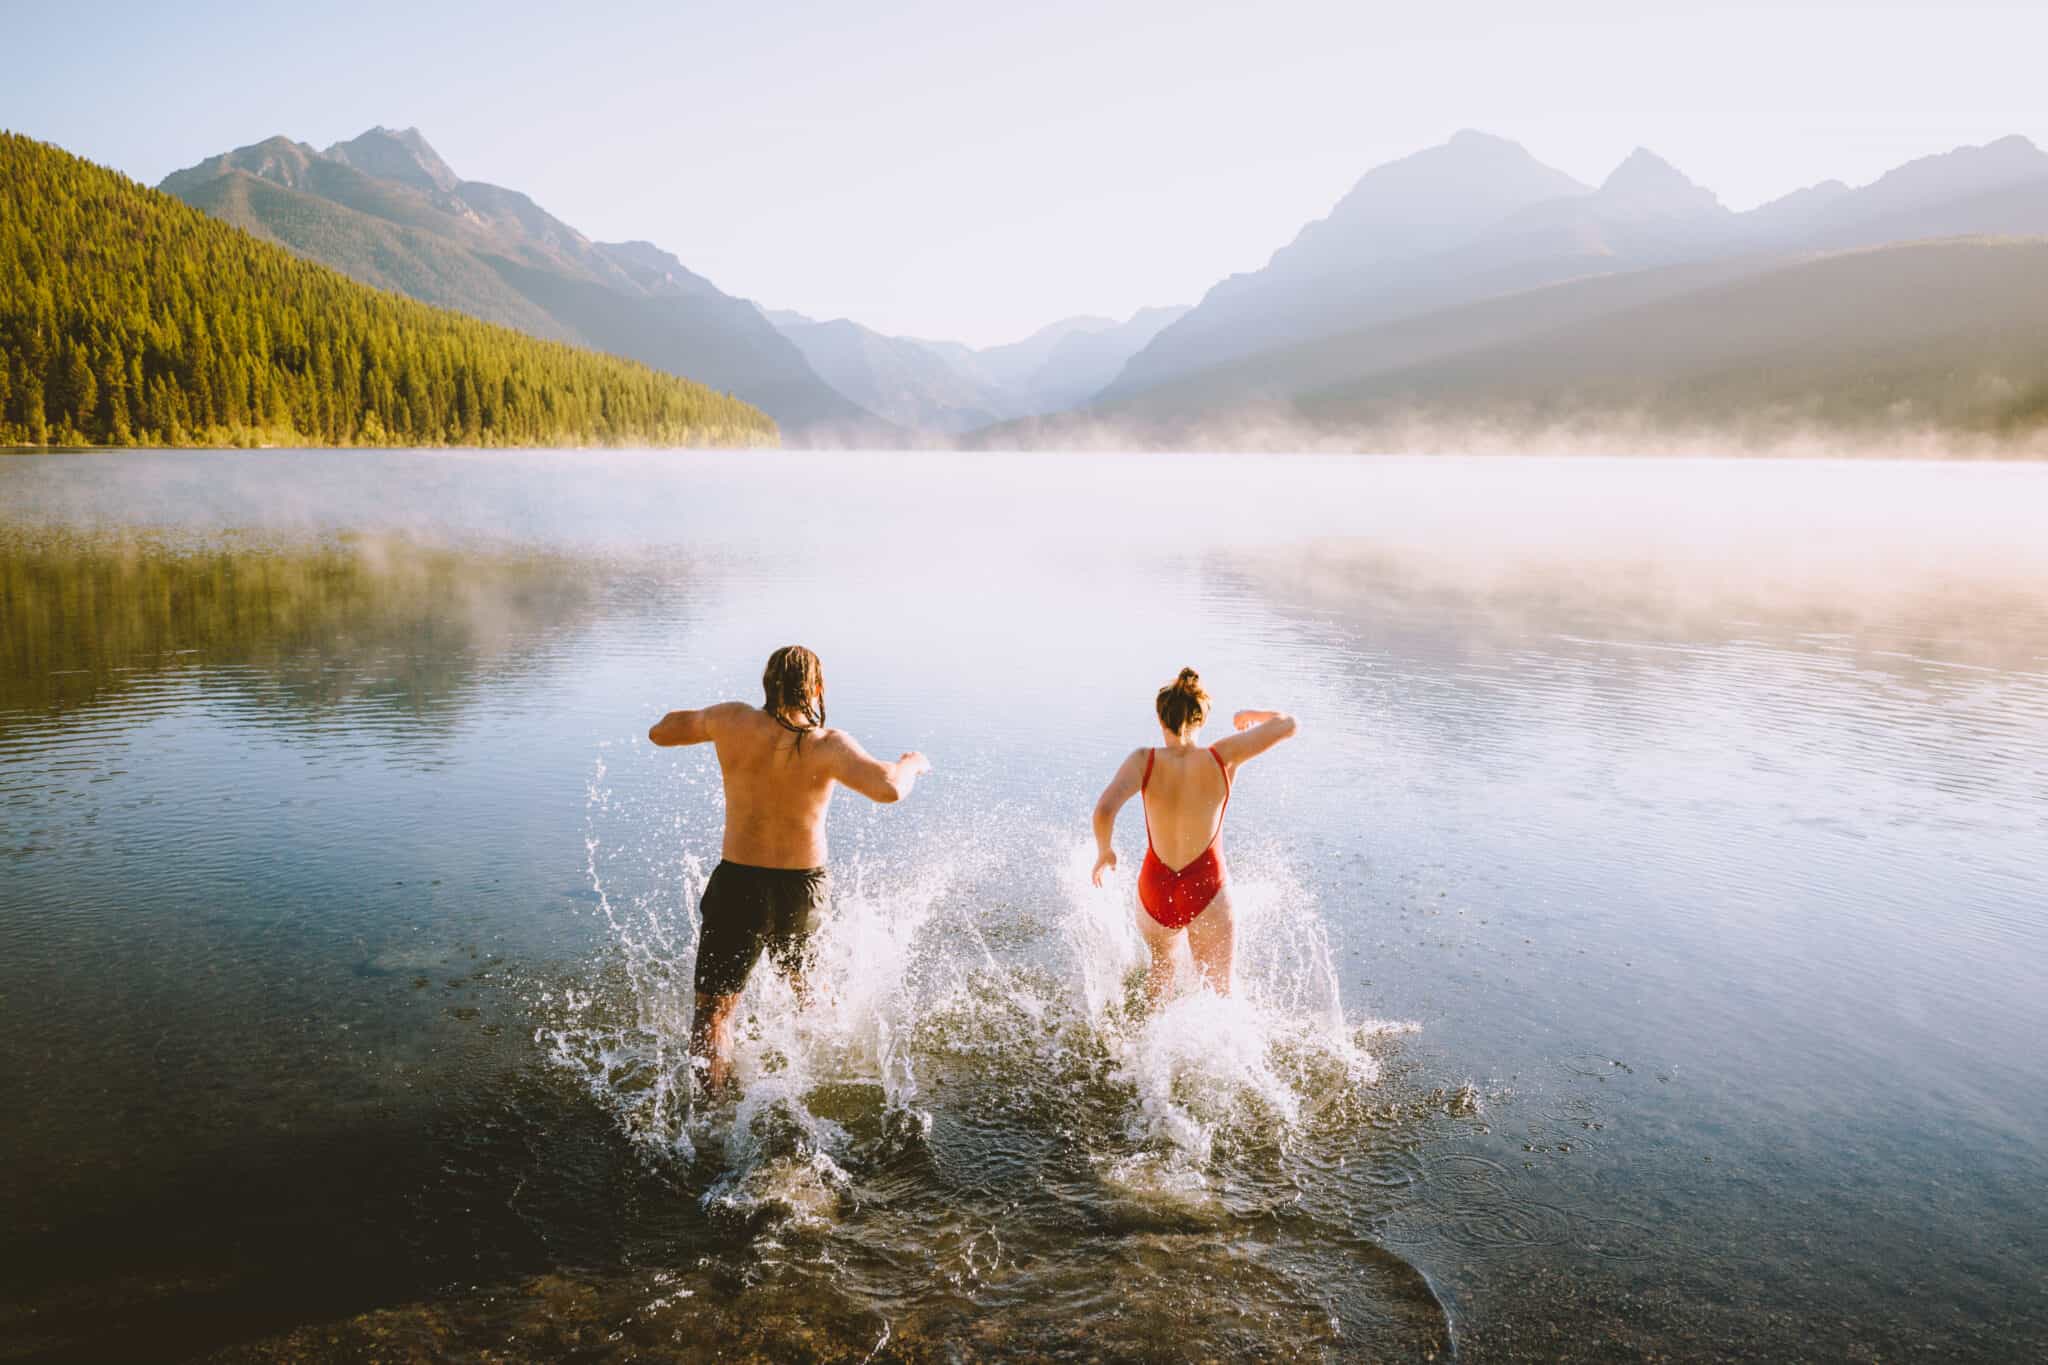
[793, 960]
[711, 1039]
[728, 945]
[798, 912]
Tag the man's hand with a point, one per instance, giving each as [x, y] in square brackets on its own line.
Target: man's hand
[1105, 861]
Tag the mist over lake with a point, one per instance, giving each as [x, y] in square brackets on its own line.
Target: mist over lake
[1641, 947]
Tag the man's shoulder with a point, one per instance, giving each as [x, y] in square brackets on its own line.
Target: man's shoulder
[729, 715]
[836, 746]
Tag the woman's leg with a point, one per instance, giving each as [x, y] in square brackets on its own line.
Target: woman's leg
[1212, 941]
[1159, 975]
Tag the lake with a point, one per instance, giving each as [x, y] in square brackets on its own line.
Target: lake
[1643, 947]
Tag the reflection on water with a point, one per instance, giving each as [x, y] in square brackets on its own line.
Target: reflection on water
[382, 619]
[1641, 949]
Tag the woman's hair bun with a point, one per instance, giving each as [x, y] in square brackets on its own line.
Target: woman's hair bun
[1182, 703]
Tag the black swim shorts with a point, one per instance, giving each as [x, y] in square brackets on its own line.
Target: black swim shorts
[746, 909]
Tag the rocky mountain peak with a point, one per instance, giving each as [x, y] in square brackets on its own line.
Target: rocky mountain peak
[1645, 181]
[401, 154]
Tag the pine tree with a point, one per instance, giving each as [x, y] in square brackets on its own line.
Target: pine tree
[74, 393]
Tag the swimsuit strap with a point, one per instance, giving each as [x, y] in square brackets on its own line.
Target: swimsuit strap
[1143, 783]
[1223, 768]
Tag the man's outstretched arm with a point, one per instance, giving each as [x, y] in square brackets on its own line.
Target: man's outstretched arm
[855, 767]
[686, 727]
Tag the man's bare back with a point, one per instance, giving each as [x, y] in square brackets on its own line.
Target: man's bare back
[780, 765]
[779, 782]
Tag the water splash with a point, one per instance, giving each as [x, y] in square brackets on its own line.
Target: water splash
[1251, 1069]
[938, 958]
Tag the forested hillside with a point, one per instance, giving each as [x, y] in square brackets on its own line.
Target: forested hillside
[386, 210]
[127, 317]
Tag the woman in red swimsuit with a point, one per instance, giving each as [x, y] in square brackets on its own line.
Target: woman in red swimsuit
[1184, 789]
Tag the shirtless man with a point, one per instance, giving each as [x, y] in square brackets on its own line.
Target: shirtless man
[780, 766]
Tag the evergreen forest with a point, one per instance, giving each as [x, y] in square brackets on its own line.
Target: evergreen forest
[129, 318]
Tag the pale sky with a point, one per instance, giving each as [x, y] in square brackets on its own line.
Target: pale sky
[975, 171]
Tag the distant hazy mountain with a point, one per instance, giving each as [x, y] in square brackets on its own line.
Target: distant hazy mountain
[1400, 213]
[948, 387]
[2001, 187]
[1794, 214]
[1644, 213]
[1085, 361]
[1013, 364]
[1477, 218]
[1276, 378]
[908, 382]
[386, 210]
[1946, 339]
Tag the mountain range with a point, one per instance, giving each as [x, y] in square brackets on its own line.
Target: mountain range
[1434, 293]
[947, 387]
[1404, 299]
[1479, 217]
[385, 209]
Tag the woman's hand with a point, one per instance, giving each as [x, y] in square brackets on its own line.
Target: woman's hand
[1105, 861]
[1245, 720]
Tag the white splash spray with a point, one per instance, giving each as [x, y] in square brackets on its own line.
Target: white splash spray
[938, 955]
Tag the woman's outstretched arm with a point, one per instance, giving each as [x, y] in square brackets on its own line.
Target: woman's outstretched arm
[1121, 788]
[1257, 731]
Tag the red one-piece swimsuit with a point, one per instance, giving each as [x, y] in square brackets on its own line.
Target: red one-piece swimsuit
[1171, 897]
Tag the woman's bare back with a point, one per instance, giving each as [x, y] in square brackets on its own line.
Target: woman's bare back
[1184, 800]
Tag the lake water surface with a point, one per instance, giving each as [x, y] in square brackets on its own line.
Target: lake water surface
[1644, 946]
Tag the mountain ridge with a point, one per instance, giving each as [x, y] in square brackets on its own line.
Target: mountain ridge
[950, 388]
[1410, 250]
[1921, 343]
[1645, 214]
[386, 209]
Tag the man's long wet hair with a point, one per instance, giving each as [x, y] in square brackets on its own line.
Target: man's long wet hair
[1183, 705]
[794, 685]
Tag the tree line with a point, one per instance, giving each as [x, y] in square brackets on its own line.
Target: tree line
[129, 318]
